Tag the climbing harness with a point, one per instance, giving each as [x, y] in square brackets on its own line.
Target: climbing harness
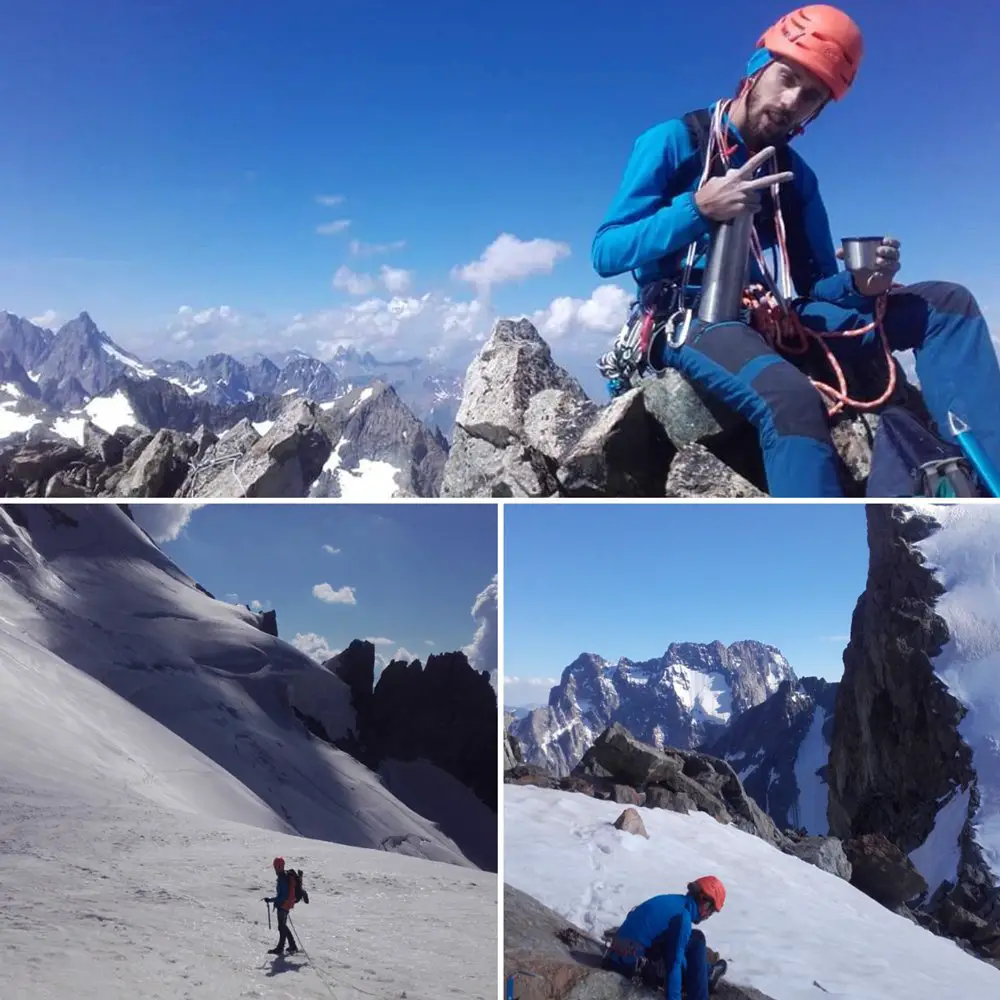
[767, 306]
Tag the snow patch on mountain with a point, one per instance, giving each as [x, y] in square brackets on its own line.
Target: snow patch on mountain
[813, 796]
[111, 412]
[939, 856]
[963, 555]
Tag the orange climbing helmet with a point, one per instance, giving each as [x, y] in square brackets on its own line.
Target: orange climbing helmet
[823, 39]
[711, 888]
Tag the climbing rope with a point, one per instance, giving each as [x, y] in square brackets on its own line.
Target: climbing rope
[770, 313]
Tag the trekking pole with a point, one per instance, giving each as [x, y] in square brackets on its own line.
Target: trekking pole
[315, 968]
[268, 905]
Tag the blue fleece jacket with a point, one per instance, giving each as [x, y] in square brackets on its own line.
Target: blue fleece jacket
[673, 915]
[643, 229]
[281, 889]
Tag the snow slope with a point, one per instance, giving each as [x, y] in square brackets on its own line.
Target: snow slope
[117, 668]
[107, 895]
[965, 556]
[786, 926]
[440, 797]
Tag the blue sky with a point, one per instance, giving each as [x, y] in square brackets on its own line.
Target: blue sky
[403, 575]
[166, 164]
[627, 580]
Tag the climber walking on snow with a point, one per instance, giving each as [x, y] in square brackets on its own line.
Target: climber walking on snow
[689, 174]
[288, 891]
[658, 945]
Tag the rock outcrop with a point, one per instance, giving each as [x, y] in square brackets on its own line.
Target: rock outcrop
[366, 445]
[526, 428]
[444, 712]
[621, 768]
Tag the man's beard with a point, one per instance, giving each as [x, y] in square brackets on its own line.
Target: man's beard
[764, 130]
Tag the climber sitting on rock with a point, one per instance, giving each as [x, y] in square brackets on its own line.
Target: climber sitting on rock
[687, 175]
[658, 944]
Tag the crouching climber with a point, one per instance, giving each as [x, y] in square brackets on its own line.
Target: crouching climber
[688, 175]
[658, 944]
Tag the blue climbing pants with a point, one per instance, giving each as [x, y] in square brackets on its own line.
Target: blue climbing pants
[940, 321]
[696, 967]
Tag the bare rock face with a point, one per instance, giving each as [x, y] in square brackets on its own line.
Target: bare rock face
[881, 870]
[896, 750]
[896, 755]
[826, 853]
[283, 463]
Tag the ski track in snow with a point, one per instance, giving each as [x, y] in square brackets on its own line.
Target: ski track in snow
[786, 923]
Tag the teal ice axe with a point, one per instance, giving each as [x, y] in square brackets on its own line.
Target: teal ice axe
[987, 472]
[510, 982]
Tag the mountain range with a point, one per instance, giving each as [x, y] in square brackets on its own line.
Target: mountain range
[67, 370]
[683, 699]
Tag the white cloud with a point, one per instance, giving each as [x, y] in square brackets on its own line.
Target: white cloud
[443, 329]
[333, 228]
[508, 259]
[326, 593]
[428, 642]
[233, 597]
[352, 282]
[482, 651]
[404, 654]
[377, 641]
[314, 645]
[47, 321]
[603, 313]
[163, 522]
[258, 605]
[330, 200]
[546, 682]
[359, 249]
[835, 638]
[331, 550]
[395, 279]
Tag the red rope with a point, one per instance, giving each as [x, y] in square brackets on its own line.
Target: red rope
[782, 328]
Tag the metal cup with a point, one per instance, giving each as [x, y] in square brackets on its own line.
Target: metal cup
[860, 252]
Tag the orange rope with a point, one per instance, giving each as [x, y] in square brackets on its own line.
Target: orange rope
[786, 334]
[778, 324]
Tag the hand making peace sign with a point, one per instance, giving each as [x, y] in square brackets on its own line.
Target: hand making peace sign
[723, 198]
